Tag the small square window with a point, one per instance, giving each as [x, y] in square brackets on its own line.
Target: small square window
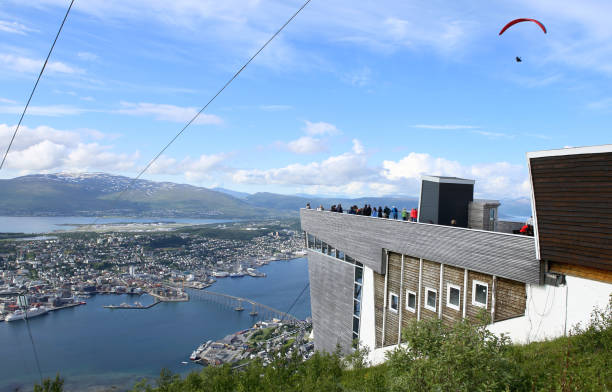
[431, 296]
[453, 296]
[480, 291]
[393, 302]
[411, 301]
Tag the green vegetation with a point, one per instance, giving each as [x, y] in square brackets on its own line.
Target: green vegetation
[461, 357]
[262, 334]
[168, 241]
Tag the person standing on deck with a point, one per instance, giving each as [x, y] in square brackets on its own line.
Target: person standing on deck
[404, 214]
[394, 212]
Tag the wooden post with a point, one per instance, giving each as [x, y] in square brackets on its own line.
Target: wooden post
[420, 288]
[465, 290]
[382, 342]
[400, 296]
[441, 291]
[493, 288]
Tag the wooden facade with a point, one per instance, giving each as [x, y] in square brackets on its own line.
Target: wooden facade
[572, 196]
[505, 298]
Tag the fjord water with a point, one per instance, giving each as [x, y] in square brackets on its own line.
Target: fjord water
[93, 347]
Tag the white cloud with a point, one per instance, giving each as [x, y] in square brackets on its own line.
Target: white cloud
[447, 127]
[307, 145]
[28, 65]
[87, 56]
[47, 149]
[50, 110]
[193, 169]
[164, 112]
[14, 27]
[320, 128]
[275, 108]
[6, 100]
[498, 179]
[339, 170]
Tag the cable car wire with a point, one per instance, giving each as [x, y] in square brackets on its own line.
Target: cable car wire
[195, 117]
[36, 84]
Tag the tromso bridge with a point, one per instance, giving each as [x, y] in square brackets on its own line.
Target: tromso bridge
[242, 304]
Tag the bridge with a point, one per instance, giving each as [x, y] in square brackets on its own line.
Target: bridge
[243, 304]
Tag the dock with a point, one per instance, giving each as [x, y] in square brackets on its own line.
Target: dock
[126, 306]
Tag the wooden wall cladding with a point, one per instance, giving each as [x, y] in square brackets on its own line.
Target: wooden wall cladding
[573, 202]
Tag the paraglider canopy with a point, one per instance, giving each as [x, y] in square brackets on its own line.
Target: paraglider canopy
[519, 20]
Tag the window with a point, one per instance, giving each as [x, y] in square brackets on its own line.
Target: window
[357, 292]
[331, 251]
[394, 302]
[357, 308]
[317, 244]
[358, 275]
[311, 241]
[356, 325]
[453, 296]
[340, 255]
[349, 259]
[430, 299]
[480, 292]
[324, 247]
[411, 301]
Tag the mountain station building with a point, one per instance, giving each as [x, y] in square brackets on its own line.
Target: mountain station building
[369, 277]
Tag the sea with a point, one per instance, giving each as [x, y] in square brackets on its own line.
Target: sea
[98, 349]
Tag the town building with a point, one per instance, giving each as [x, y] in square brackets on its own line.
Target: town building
[369, 276]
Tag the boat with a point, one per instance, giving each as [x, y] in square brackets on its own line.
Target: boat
[256, 274]
[32, 312]
[193, 356]
[221, 274]
[236, 275]
[239, 308]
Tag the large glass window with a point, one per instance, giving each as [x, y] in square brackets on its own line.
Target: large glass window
[393, 302]
[431, 296]
[411, 301]
[480, 291]
[453, 296]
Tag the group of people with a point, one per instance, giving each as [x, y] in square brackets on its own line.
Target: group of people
[380, 212]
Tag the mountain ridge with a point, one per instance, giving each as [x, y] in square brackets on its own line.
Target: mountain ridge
[96, 194]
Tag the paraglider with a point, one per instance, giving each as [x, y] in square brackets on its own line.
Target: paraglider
[519, 20]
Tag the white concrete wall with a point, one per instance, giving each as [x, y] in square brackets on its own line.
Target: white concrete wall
[553, 311]
[367, 329]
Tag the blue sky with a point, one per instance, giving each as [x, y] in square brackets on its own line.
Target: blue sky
[351, 99]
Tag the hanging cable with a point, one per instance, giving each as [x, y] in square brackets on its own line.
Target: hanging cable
[36, 84]
[195, 117]
[297, 299]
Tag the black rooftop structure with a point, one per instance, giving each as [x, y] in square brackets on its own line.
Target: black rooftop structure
[443, 199]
